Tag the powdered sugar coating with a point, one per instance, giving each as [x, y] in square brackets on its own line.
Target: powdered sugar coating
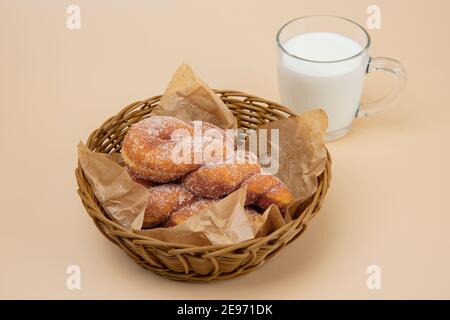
[162, 149]
[137, 178]
[215, 180]
[148, 149]
[279, 195]
[188, 211]
[264, 190]
[163, 200]
[258, 184]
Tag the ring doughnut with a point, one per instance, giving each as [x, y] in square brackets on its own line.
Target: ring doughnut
[187, 211]
[218, 179]
[148, 149]
[265, 189]
[162, 201]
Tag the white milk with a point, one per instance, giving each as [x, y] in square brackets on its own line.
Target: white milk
[335, 87]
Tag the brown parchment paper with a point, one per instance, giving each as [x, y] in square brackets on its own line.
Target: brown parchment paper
[122, 198]
[302, 158]
[302, 154]
[188, 98]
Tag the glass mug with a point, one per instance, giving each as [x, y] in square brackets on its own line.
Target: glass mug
[322, 63]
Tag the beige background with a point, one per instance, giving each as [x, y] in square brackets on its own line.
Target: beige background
[389, 201]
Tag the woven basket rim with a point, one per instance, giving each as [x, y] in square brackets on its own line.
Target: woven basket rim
[180, 248]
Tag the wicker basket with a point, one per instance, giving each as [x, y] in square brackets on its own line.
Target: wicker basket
[185, 262]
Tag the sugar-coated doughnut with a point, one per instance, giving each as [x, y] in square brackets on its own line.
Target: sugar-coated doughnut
[187, 211]
[218, 179]
[266, 189]
[136, 178]
[148, 149]
[163, 200]
[259, 184]
[279, 195]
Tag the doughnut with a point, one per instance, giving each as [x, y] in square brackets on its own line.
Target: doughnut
[136, 178]
[258, 184]
[218, 179]
[187, 211]
[148, 149]
[265, 189]
[215, 143]
[163, 200]
[280, 196]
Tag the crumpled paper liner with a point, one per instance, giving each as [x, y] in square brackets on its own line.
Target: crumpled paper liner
[302, 159]
[301, 152]
[188, 98]
[122, 198]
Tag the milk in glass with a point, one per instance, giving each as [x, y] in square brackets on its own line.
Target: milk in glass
[318, 74]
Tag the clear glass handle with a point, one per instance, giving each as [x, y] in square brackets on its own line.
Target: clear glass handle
[394, 67]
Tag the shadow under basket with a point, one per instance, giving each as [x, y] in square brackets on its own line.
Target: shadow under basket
[186, 262]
